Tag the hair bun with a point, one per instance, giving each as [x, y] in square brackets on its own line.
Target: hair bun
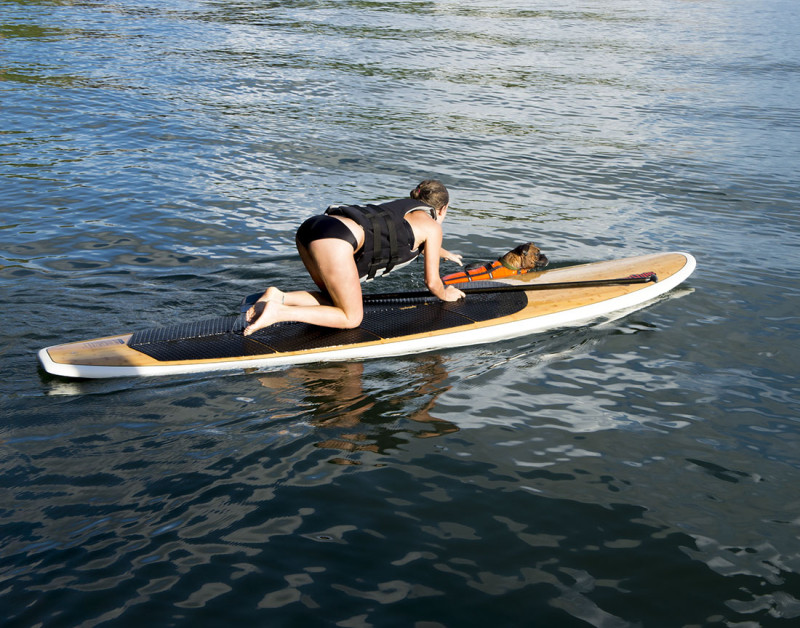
[433, 192]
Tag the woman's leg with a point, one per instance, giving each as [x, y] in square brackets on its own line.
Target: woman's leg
[321, 227]
[331, 265]
[296, 297]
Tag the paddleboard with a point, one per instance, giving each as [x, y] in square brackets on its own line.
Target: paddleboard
[394, 324]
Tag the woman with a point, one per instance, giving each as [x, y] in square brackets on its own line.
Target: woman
[349, 244]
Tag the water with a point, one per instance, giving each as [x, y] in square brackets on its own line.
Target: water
[155, 160]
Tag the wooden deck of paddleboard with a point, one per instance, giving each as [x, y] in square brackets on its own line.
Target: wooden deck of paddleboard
[110, 356]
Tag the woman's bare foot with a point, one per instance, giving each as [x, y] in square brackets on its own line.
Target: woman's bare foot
[273, 294]
[262, 317]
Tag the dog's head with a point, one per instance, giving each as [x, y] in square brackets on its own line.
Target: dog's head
[525, 257]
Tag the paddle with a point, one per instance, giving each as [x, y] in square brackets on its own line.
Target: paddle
[484, 289]
[487, 289]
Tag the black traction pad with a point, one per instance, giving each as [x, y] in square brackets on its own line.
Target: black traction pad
[219, 338]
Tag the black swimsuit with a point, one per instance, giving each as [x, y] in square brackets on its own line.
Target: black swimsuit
[324, 226]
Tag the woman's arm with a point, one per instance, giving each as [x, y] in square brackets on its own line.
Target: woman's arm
[432, 233]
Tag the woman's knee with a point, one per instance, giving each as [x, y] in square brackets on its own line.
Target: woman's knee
[353, 320]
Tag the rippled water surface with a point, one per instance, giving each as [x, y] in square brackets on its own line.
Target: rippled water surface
[155, 160]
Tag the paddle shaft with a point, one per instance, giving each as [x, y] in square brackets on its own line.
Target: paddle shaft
[633, 279]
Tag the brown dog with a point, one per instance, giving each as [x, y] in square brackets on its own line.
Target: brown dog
[522, 259]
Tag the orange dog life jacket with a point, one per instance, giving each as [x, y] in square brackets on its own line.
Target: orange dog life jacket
[492, 270]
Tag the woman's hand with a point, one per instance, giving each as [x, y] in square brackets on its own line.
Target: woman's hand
[451, 257]
[451, 293]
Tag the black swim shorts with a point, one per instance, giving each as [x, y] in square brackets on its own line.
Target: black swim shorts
[321, 227]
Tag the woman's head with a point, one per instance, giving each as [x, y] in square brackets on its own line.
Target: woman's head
[433, 193]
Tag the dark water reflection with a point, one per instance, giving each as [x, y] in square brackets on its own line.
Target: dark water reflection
[155, 160]
[191, 511]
